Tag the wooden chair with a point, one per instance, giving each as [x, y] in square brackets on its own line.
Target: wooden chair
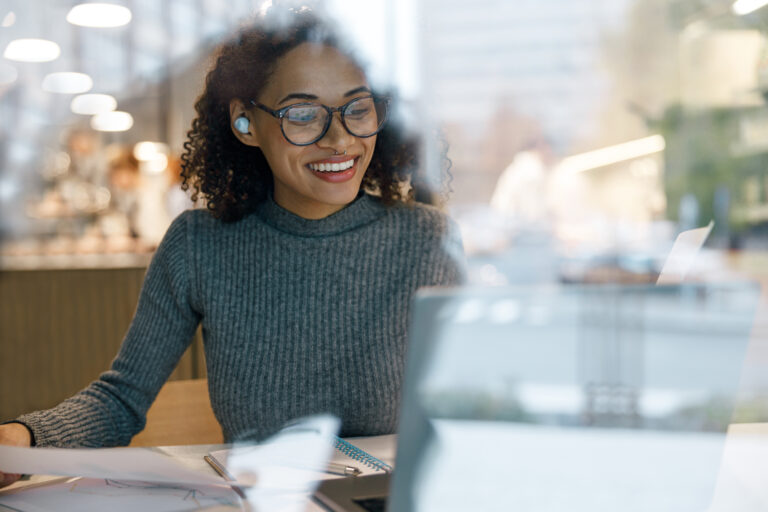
[181, 414]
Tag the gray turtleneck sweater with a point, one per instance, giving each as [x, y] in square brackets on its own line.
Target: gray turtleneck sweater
[298, 316]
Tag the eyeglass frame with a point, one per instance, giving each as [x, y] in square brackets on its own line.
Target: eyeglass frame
[279, 114]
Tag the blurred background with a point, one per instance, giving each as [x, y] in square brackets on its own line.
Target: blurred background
[583, 136]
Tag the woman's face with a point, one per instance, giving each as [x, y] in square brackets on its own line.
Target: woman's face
[320, 74]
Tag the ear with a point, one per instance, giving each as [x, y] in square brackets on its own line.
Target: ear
[237, 109]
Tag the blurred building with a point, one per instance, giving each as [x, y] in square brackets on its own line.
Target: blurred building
[500, 76]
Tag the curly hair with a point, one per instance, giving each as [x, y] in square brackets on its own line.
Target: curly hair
[232, 177]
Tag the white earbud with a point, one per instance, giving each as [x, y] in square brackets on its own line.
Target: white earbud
[242, 124]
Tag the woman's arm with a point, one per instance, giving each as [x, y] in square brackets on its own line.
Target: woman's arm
[112, 409]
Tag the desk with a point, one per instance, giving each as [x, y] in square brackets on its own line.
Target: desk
[191, 457]
[740, 484]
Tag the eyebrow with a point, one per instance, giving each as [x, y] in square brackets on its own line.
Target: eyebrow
[359, 89]
[305, 96]
[298, 95]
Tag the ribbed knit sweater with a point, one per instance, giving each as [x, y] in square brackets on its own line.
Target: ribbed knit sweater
[298, 317]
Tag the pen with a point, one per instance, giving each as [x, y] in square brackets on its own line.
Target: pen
[342, 469]
[223, 473]
[333, 468]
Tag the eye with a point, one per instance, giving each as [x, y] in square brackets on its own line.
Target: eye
[304, 114]
[359, 109]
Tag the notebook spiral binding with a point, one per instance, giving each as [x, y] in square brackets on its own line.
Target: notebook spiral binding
[353, 452]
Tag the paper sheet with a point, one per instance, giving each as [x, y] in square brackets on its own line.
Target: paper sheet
[292, 459]
[141, 464]
[144, 479]
[273, 468]
[97, 495]
[680, 260]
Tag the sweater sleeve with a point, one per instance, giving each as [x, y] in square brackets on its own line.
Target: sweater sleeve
[443, 262]
[112, 409]
[451, 262]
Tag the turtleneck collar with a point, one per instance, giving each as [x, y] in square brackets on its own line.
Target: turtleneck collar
[361, 211]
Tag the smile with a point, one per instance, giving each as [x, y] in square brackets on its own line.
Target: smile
[332, 167]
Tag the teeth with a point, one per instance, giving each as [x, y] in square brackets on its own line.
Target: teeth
[336, 167]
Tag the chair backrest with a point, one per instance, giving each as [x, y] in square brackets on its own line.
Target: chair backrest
[181, 414]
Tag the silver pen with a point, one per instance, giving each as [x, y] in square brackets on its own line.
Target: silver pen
[222, 471]
[342, 469]
[333, 468]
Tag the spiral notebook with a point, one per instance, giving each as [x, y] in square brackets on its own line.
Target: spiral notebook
[345, 453]
[365, 462]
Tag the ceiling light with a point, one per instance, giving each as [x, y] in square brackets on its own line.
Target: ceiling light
[67, 83]
[157, 165]
[99, 15]
[8, 20]
[91, 104]
[614, 154]
[146, 150]
[8, 74]
[742, 7]
[116, 121]
[32, 50]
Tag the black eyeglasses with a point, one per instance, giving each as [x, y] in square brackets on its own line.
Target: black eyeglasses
[303, 124]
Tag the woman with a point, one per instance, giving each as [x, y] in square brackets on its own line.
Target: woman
[301, 278]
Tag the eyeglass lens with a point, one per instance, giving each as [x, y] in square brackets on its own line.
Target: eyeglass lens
[305, 123]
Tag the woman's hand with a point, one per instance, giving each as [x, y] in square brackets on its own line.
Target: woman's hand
[14, 434]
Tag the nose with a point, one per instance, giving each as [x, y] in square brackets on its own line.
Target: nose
[337, 137]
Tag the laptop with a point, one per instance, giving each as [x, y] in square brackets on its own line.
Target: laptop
[574, 397]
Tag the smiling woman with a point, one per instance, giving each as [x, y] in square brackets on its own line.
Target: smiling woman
[300, 270]
[308, 140]
[302, 67]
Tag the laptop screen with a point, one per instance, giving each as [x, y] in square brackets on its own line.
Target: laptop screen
[575, 397]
